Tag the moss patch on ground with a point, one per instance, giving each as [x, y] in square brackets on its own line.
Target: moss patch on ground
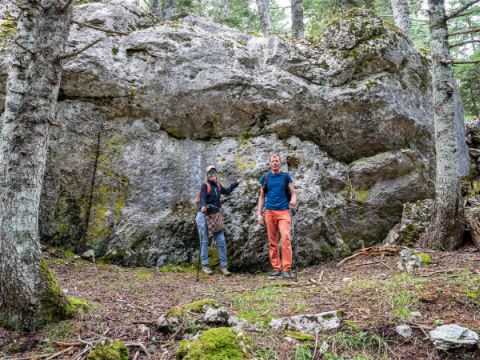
[79, 304]
[426, 260]
[298, 335]
[198, 306]
[216, 344]
[109, 350]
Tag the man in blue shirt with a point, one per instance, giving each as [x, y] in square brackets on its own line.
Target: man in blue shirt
[277, 215]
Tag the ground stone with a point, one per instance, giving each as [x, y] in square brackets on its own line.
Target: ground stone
[89, 255]
[447, 337]
[404, 330]
[308, 324]
[409, 262]
[474, 200]
[213, 316]
[237, 323]
[474, 152]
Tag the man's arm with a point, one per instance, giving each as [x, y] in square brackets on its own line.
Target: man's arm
[261, 204]
[293, 199]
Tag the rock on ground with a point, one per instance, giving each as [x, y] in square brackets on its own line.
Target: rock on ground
[409, 262]
[237, 323]
[447, 337]
[308, 324]
[89, 255]
[404, 330]
[213, 316]
[188, 93]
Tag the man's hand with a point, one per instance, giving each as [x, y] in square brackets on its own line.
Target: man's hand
[260, 220]
[203, 209]
[291, 204]
[239, 180]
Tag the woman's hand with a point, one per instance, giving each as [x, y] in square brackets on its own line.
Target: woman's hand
[203, 209]
[240, 180]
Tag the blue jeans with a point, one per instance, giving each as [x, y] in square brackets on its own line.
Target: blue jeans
[219, 238]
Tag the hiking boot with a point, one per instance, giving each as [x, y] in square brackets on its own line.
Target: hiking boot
[277, 274]
[206, 270]
[288, 275]
[223, 270]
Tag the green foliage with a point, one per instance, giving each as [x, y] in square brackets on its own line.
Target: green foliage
[109, 350]
[298, 335]
[216, 344]
[426, 260]
[409, 236]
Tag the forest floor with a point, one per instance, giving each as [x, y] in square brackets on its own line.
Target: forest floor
[375, 299]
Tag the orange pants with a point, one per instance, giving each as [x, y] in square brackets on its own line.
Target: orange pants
[275, 219]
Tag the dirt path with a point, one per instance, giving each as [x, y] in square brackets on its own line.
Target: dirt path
[373, 295]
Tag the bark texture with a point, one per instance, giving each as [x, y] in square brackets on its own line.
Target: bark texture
[225, 11]
[446, 231]
[474, 227]
[156, 8]
[29, 294]
[169, 8]
[264, 13]
[298, 29]
[401, 14]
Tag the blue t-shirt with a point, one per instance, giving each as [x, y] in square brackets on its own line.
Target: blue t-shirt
[276, 197]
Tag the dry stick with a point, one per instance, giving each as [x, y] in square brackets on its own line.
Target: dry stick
[80, 51]
[348, 258]
[320, 277]
[24, 48]
[60, 353]
[100, 29]
[38, 4]
[386, 265]
[136, 355]
[143, 321]
[315, 350]
[85, 351]
[83, 241]
[65, 7]
[32, 357]
[68, 344]
[461, 8]
[140, 345]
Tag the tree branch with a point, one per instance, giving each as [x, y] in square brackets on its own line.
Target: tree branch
[80, 51]
[99, 29]
[38, 4]
[461, 8]
[464, 32]
[464, 42]
[465, 14]
[455, 62]
[24, 48]
[65, 7]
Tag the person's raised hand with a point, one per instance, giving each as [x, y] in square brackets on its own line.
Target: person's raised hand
[260, 220]
[240, 180]
[203, 209]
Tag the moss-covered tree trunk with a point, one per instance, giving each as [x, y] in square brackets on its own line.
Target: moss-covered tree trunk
[446, 230]
[156, 8]
[298, 29]
[29, 294]
[264, 13]
[401, 14]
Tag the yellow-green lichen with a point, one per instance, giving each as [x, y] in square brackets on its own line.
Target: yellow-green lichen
[198, 306]
[298, 335]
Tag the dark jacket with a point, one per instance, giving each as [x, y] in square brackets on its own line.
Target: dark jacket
[213, 198]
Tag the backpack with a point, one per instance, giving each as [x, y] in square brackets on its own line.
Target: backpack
[208, 192]
[285, 180]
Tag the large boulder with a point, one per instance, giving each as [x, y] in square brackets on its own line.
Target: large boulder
[448, 337]
[350, 113]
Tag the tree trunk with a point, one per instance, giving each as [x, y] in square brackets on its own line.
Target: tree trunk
[169, 8]
[401, 14]
[264, 13]
[29, 294]
[297, 18]
[137, 2]
[474, 102]
[343, 6]
[156, 8]
[446, 230]
[225, 11]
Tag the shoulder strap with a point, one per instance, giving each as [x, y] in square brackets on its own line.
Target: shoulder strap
[208, 192]
[285, 178]
[287, 185]
[208, 188]
[265, 182]
[219, 186]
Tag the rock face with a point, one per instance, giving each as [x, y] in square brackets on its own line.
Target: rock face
[448, 337]
[189, 93]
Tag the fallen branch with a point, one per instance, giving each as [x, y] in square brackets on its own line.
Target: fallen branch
[455, 62]
[143, 321]
[60, 353]
[136, 355]
[80, 51]
[77, 343]
[65, 7]
[38, 4]
[140, 345]
[348, 258]
[386, 265]
[462, 8]
[320, 277]
[100, 29]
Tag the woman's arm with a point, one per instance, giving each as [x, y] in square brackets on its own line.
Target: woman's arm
[230, 188]
[203, 196]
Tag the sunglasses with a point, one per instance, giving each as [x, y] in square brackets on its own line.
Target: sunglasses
[212, 172]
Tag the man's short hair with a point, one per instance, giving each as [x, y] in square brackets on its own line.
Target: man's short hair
[274, 155]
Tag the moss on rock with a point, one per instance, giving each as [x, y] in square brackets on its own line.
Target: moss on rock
[177, 311]
[78, 303]
[109, 350]
[426, 259]
[298, 335]
[200, 305]
[216, 344]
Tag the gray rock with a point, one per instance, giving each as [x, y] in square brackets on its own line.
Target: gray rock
[216, 315]
[404, 330]
[417, 214]
[143, 329]
[447, 337]
[189, 93]
[288, 339]
[474, 200]
[473, 130]
[409, 262]
[474, 152]
[415, 314]
[392, 236]
[237, 323]
[89, 255]
[308, 324]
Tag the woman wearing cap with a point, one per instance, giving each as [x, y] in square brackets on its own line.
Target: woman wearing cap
[209, 202]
